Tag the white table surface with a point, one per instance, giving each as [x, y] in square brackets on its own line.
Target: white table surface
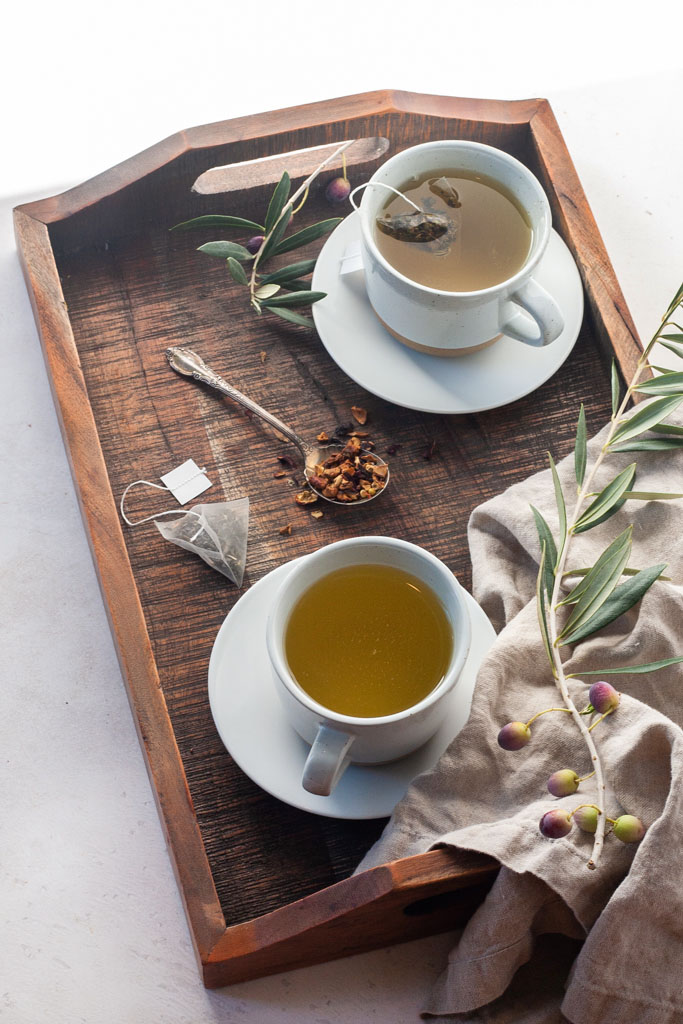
[92, 929]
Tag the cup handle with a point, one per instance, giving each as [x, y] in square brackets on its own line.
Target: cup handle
[326, 761]
[536, 301]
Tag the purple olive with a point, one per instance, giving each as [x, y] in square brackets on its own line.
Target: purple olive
[629, 829]
[555, 824]
[254, 244]
[563, 783]
[586, 818]
[603, 697]
[514, 736]
[337, 190]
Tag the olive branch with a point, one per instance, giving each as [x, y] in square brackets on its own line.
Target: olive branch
[599, 597]
[285, 288]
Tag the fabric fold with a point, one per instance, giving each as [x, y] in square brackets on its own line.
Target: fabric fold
[480, 797]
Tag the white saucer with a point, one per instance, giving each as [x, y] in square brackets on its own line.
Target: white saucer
[253, 727]
[494, 376]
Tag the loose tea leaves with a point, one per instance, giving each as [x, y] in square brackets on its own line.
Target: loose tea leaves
[442, 188]
[414, 227]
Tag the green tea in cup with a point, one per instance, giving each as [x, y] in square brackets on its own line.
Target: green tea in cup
[487, 241]
[368, 641]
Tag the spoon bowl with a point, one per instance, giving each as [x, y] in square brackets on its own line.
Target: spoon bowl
[347, 470]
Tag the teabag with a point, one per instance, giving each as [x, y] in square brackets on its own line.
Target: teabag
[216, 532]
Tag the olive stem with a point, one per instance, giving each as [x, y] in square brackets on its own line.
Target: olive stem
[560, 678]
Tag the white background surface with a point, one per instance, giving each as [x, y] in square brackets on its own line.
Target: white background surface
[91, 925]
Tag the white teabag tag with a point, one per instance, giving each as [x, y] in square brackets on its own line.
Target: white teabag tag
[351, 261]
[185, 482]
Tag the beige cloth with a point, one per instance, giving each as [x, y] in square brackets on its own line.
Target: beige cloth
[629, 910]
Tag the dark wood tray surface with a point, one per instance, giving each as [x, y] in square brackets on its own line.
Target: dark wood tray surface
[112, 288]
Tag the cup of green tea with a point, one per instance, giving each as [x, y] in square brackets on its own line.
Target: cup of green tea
[367, 638]
[450, 263]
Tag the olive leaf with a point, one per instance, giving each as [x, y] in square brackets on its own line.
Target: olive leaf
[277, 202]
[580, 447]
[651, 495]
[266, 291]
[218, 220]
[561, 508]
[294, 270]
[225, 249]
[237, 271]
[645, 417]
[632, 670]
[608, 501]
[664, 384]
[666, 428]
[541, 610]
[270, 244]
[619, 601]
[650, 444]
[624, 572]
[307, 235]
[615, 388]
[293, 317]
[548, 545]
[672, 346]
[595, 588]
[293, 299]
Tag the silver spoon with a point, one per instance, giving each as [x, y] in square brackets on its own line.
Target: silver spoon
[187, 363]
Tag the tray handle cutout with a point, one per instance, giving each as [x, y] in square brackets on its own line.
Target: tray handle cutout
[298, 163]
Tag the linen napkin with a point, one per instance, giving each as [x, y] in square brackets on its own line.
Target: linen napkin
[518, 958]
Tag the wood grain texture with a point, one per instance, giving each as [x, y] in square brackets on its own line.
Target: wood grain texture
[267, 887]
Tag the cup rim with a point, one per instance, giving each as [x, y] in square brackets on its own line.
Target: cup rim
[524, 271]
[275, 645]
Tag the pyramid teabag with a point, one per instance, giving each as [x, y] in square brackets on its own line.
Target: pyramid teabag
[216, 532]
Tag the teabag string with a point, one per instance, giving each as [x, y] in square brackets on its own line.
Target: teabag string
[216, 532]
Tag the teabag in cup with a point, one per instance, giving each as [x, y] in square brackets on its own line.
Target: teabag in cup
[216, 532]
[418, 227]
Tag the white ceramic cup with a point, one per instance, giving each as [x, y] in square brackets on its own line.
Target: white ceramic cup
[451, 323]
[336, 739]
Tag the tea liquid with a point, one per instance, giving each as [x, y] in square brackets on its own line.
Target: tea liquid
[489, 240]
[368, 641]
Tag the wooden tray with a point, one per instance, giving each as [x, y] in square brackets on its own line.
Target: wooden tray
[266, 887]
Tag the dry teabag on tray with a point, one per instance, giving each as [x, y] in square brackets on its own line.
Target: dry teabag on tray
[216, 532]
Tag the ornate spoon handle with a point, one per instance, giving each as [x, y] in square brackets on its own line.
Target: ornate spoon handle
[187, 363]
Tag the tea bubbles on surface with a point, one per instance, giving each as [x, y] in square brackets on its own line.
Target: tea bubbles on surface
[488, 239]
